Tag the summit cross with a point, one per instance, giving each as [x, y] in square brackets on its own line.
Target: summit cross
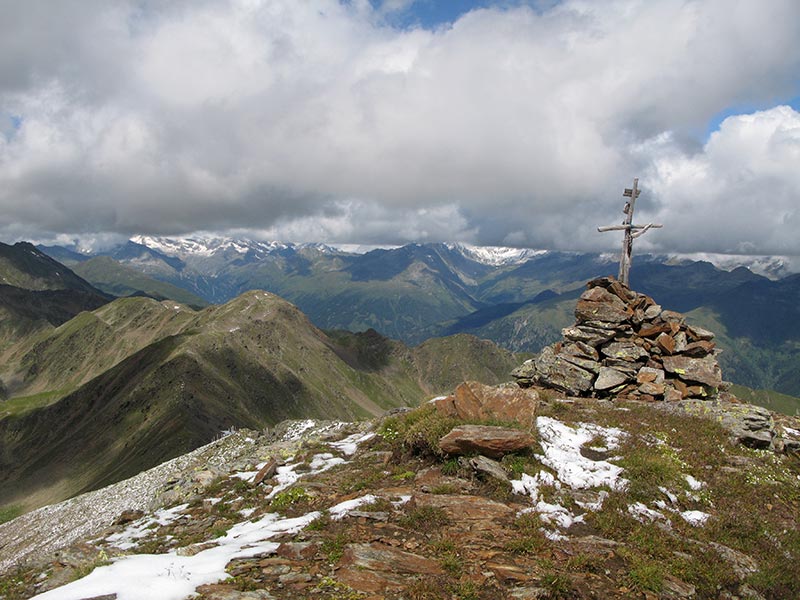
[631, 231]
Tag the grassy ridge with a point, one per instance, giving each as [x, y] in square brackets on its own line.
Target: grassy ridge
[166, 381]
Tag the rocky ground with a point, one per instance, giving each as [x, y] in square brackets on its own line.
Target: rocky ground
[491, 493]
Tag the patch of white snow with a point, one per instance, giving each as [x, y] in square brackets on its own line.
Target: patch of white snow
[695, 517]
[562, 443]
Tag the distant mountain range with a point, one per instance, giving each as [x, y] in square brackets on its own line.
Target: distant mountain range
[517, 298]
[103, 388]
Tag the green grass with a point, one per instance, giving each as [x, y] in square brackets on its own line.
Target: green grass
[24, 404]
[7, 513]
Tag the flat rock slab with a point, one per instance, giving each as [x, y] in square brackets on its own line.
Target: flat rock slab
[488, 440]
[702, 370]
[379, 558]
[609, 378]
[464, 507]
[554, 371]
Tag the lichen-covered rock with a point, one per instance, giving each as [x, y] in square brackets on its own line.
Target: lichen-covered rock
[618, 332]
[609, 378]
[703, 370]
[556, 371]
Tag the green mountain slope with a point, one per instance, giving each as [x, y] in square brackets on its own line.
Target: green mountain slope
[62, 358]
[249, 363]
[110, 276]
[24, 266]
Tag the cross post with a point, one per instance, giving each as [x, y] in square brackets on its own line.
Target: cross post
[631, 232]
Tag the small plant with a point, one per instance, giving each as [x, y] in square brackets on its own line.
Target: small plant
[333, 548]
[450, 467]
[404, 475]
[377, 505]
[242, 583]
[558, 585]
[444, 489]
[528, 538]
[337, 590]
[452, 563]
[645, 576]
[283, 500]
[518, 464]
[425, 518]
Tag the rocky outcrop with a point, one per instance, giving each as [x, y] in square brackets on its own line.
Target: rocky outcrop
[624, 345]
[473, 401]
[488, 440]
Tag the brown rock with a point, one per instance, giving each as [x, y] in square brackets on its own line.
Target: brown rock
[650, 375]
[670, 316]
[584, 363]
[698, 334]
[697, 391]
[680, 342]
[599, 294]
[580, 349]
[487, 467]
[652, 388]
[699, 349]
[653, 311]
[666, 343]
[588, 311]
[475, 401]
[702, 370]
[463, 507]
[592, 336]
[378, 558]
[654, 329]
[680, 386]
[267, 471]
[671, 394]
[296, 550]
[127, 516]
[485, 439]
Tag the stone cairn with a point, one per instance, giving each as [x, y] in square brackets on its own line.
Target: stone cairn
[625, 346]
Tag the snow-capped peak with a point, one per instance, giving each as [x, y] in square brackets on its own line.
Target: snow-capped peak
[496, 256]
[206, 246]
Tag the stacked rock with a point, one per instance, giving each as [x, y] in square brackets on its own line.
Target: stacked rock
[624, 345]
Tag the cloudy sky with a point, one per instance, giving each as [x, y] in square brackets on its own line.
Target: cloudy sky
[505, 123]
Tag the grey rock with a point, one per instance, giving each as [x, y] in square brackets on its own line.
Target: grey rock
[609, 378]
[489, 468]
[593, 336]
[624, 351]
[587, 311]
[702, 370]
[651, 312]
[554, 371]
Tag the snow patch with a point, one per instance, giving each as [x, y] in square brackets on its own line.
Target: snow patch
[349, 444]
[695, 517]
[562, 443]
[694, 484]
[130, 536]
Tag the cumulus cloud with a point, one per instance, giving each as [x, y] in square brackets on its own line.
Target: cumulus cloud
[320, 121]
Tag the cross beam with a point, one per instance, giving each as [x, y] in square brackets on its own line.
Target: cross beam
[631, 231]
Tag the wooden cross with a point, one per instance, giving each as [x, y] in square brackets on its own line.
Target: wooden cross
[631, 231]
